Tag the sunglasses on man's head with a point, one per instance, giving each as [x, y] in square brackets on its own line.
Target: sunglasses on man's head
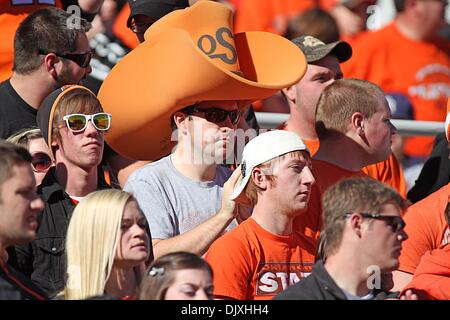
[41, 162]
[395, 222]
[78, 122]
[82, 59]
[216, 115]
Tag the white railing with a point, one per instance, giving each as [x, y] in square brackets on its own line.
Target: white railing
[404, 127]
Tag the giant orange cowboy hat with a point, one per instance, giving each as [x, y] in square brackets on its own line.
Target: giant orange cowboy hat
[189, 56]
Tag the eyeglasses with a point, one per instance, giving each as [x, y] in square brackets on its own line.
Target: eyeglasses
[395, 222]
[41, 162]
[81, 59]
[78, 122]
[216, 115]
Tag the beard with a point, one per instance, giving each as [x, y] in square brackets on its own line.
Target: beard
[64, 78]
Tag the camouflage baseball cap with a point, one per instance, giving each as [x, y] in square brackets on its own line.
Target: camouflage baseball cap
[314, 49]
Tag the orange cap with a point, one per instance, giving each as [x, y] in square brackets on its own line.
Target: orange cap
[189, 56]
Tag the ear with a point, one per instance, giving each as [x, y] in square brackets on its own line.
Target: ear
[290, 93]
[259, 178]
[357, 123]
[180, 120]
[355, 224]
[50, 61]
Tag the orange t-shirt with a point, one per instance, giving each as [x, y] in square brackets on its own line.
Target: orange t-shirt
[326, 175]
[426, 228]
[389, 172]
[268, 15]
[12, 12]
[250, 263]
[419, 70]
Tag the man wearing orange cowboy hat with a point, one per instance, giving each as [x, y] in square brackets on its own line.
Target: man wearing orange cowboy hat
[195, 73]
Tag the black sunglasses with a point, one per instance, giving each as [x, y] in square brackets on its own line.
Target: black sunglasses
[41, 162]
[81, 59]
[216, 115]
[395, 222]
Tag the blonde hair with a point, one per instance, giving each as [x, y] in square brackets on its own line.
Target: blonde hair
[91, 243]
[24, 136]
[78, 100]
[340, 100]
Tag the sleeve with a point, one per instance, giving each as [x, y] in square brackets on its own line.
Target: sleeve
[420, 236]
[389, 172]
[230, 262]
[154, 204]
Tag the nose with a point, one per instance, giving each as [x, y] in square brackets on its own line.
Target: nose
[37, 204]
[90, 129]
[393, 128]
[402, 235]
[88, 69]
[308, 177]
[138, 231]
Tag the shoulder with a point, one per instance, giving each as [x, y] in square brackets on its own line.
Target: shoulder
[151, 171]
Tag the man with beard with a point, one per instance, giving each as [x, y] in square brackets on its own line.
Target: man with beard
[47, 55]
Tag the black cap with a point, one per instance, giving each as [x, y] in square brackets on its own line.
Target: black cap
[314, 49]
[155, 9]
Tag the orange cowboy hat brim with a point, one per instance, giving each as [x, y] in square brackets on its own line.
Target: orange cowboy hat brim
[169, 71]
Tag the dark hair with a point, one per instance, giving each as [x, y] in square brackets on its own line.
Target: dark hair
[11, 155]
[46, 30]
[162, 275]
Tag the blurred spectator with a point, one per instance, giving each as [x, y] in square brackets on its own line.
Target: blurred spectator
[351, 17]
[364, 232]
[178, 276]
[313, 22]
[41, 159]
[110, 227]
[19, 208]
[267, 254]
[385, 58]
[267, 15]
[76, 142]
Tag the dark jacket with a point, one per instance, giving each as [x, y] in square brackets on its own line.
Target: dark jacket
[320, 286]
[43, 260]
[435, 172]
[15, 286]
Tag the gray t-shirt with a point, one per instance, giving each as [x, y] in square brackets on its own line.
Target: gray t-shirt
[173, 203]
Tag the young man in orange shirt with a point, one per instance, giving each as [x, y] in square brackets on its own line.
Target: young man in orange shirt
[354, 129]
[264, 255]
[408, 56]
